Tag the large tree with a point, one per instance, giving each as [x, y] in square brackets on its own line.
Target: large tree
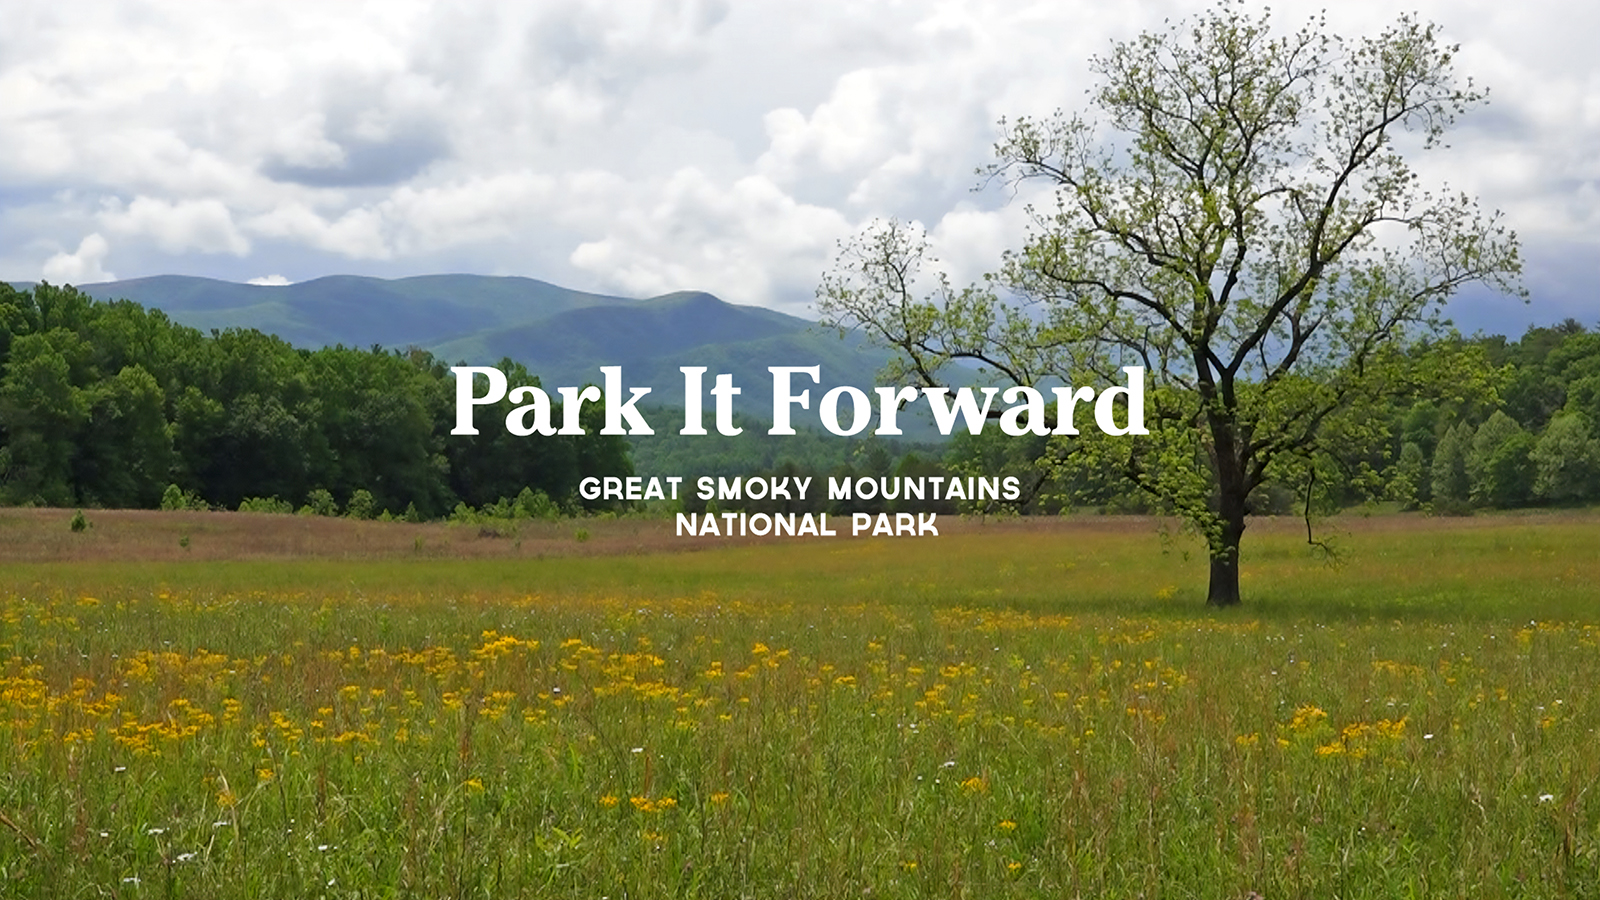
[1237, 216]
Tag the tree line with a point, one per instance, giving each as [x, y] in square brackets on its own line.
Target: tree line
[114, 405]
[1533, 443]
[1489, 423]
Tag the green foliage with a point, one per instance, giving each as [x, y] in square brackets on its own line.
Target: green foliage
[1566, 460]
[1509, 473]
[1498, 465]
[1451, 486]
[533, 504]
[176, 498]
[320, 502]
[130, 456]
[501, 517]
[79, 523]
[109, 403]
[1410, 482]
[990, 453]
[751, 451]
[266, 505]
[1542, 379]
[496, 464]
[361, 505]
[44, 411]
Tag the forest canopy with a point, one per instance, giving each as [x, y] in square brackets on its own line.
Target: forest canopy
[112, 404]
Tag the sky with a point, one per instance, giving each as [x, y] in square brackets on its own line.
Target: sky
[637, 148]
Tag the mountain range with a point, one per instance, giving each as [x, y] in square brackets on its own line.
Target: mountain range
[561, 335]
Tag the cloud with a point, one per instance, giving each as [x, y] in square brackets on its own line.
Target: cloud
[355, 234]
[468, 211]
[635, 145]
[362, 129]
[178, 227]
[362, 163]
[748, 242]
[269, 281]
[84, 266]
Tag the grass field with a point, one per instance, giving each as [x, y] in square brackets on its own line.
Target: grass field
[213, 705]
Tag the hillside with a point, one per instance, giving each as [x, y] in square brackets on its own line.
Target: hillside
[561, 335]
[356, 311]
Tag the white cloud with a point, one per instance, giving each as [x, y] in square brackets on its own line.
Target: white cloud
[748, 242]
[178, 227]
[969, 242]
[269, 281]
[83, 266]
[356, 234]
[474, 210]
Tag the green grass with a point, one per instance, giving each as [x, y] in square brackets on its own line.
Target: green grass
[1016, 710]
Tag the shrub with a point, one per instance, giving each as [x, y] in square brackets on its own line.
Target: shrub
[320, 503]
[176, 498]
[361, 505]
[531, 504]
[265, 505]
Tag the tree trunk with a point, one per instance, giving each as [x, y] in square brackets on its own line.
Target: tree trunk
[1232, 499]
[1224, 588]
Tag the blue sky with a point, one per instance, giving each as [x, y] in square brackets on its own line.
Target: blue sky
[639, 147]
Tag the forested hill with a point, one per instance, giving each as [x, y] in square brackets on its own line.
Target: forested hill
[562, 335]
[111, 404]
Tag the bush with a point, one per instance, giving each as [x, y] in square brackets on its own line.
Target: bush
[531, 504]
[79, 523]
[361, 505]
[497, 528]
[265, 505]
[176, 498]
[320, 503]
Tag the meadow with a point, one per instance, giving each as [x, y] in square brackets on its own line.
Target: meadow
[223, 705]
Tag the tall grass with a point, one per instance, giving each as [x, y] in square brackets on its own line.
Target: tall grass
[1003, 713]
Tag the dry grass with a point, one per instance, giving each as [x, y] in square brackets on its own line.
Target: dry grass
[43, 535]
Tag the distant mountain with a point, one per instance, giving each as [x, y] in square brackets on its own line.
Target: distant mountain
[353, 310]
[561, 335]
